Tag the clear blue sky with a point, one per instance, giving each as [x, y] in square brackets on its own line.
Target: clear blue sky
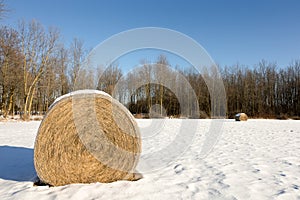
[231, 31]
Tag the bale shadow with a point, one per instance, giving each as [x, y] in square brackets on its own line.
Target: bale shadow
[16, 163]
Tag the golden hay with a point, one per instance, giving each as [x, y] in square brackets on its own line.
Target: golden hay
[86, 138]
[241, 117]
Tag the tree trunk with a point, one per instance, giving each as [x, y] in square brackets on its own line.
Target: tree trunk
[30, 102]
[161, 91]
[10, 105]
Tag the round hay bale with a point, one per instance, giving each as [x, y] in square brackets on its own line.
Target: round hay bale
[241, 117]
[87, 137]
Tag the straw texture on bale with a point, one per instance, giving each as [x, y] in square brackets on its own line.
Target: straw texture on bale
[86, 138]
[241, 117]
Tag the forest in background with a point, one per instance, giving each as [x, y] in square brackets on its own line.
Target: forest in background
[261, 91]
[36, 67]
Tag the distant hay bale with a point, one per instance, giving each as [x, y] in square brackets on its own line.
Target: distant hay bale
[86, 138]
[142, 116]
[241, 117]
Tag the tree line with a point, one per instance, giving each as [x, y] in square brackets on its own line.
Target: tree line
[261, 91]
[36, 67]
[264, 90]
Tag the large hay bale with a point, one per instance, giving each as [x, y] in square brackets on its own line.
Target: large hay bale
[241, 117]
[87, 137]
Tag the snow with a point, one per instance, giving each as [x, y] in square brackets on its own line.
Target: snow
[79, 92]
[257, 159]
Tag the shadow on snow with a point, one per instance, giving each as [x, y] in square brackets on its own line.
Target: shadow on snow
[16, 163]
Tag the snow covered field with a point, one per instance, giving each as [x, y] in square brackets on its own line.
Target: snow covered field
[257, 159]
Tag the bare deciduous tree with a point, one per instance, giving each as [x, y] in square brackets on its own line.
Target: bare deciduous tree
[37, 46]
[10, 68]
[76, 62]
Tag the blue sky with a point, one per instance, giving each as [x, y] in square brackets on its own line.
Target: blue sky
[231, 31]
